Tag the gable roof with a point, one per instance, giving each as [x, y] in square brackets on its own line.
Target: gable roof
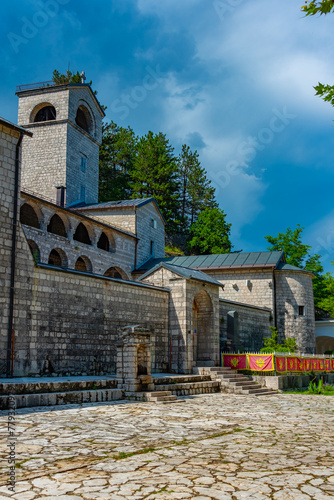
[221, 261]
[12, 126]
[119, 204]
[184, 272]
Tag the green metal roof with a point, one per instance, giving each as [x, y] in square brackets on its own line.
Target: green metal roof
[221, 261]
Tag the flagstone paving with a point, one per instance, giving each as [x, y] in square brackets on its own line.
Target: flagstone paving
[215, 446]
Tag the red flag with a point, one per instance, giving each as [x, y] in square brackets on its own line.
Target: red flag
[264, 363]
[235, 361]
[292, 364]
[281, 364]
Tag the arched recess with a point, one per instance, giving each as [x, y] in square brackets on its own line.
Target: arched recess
[34, 251]
[57, 226]
[28, 216]
[104, 243]
[83, 264]
[84, 119]
[324, 343]
[58, 258]
[203, 327]
[81, 234]
[116, 272]
[44, 112]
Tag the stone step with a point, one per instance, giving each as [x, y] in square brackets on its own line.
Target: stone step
[267, 393]
[163, 398]
[255, 390]
[60, 398]
[188, 389]
[158, 393]
[231, 376]
[180, 379]
[246, 385]
[220, 369]
[42, 385]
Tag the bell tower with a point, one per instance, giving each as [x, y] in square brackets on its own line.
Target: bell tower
[61, 161]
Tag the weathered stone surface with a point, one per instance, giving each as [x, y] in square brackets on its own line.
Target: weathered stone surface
[214, 446]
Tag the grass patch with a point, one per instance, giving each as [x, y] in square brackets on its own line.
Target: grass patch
[122, 455]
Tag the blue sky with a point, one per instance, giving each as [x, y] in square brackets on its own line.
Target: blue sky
[231, 78]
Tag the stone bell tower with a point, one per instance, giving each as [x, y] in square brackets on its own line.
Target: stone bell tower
[61, 161]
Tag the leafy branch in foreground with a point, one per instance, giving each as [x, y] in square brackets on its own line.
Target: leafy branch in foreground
[318, 7]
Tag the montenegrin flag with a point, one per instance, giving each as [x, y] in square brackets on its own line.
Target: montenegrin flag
[281, 364]
[332, 365]
[300, 364]
[308, 364]
[292, 364]
[327, 365]
[321, 365]
[264, 363]
[235, 361]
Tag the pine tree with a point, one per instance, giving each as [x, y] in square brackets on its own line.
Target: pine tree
[211, 233]
[117, 156]
[155, 173]
[196, 192]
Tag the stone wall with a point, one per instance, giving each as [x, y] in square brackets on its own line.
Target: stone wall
[294, 289]
[254, 287]
[122, 246]
[8, 141]
[53, 157]
[181, 320]
[146, 233]
[253, 326]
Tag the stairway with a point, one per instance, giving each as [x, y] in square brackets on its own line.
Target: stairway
[187, 385]
[162, 397]
[237, 383]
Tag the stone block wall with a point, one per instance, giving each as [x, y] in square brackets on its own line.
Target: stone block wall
[8, 141]
[254, 287]
[254, 323]
[122, 246]
[294, 289]
[117, 217]
[53, 157]
[146, 233]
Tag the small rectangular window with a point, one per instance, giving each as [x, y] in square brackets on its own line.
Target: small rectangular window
[83, 193]
[301, 310]
[83, 164]
[152, 248]
[154, 223]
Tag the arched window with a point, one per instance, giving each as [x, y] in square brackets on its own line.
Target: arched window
[81, 234]
[103, 242]
[83, 264]
[56, 226]
[28, 216]
[35, 251]
[45, 114]
[83, 119]
[58, 258]
[116, 272]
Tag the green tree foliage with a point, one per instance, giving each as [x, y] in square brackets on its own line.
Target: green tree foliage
[298, 254]
[117, 155]
[155, 173]
[271, 343]
[210, 233]
[68, 77]
[311, 9]
[196, 191]
[318, 7]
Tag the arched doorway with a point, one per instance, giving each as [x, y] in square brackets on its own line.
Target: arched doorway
[83, 264]
[116, 272]
[202, 328]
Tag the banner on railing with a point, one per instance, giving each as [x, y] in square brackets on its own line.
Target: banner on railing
[280, 364]
[261, 363]
[235, 361]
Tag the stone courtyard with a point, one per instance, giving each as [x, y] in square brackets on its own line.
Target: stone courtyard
[216, 446]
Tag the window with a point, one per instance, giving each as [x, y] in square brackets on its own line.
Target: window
[301, 310]
[83, 193]
[152, 248]
[83, 163]
[154, 223]
[45, 114]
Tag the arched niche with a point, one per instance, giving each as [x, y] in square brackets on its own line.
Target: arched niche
[81, 234]
[116, 272]
[103, 242]
[84, 119]
[35, 252]
[44, 112]
[57, 226]
[58, 258]
[83, 264]
[28, 216]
